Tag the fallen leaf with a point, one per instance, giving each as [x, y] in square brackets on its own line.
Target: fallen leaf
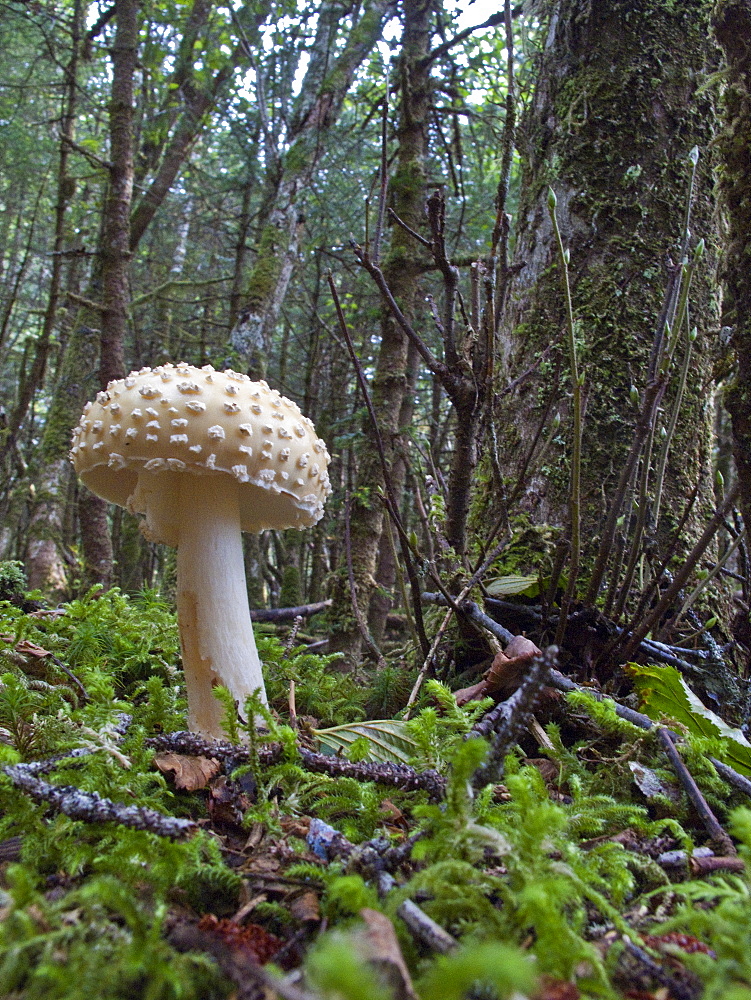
[28, 648]
[650, 784]
[380, 947]
[506, 672]
[520, 645]
[392, 814]
[188, 773]
[473, 693]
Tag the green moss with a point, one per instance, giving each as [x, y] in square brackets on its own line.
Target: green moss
[613, 122]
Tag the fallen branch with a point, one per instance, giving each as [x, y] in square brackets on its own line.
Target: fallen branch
[92, 808]
[425, 929]
[708, 818]
[285, 614]
[395, 775]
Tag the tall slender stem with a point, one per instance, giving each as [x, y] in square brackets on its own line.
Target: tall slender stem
[576, 424]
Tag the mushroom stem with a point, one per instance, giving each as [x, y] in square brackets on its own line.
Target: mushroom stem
[216, 634]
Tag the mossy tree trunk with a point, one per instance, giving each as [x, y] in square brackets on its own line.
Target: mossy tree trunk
[732, 21]
[617, 110]
[401, 269]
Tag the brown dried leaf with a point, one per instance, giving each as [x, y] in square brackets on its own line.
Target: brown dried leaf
[250, 941]
[550, 988]
[189, 773]
[28, 648]
[520, 645]
[392, 814]
[509, 667]
[473, 693]
[381, 948]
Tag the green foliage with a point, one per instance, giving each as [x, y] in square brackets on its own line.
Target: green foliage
[718, 912]
[29, 716]
[386, 740]
[12, 580]
[99, 940]
[347, 895]
[438, 731]
[389, 690]
[209, 885]
[451, 977]
[126, 638]
[551, 883]
[337, 972]
[331, 697]
[665, 695]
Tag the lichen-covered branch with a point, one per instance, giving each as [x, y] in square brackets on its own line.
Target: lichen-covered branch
[93, 808]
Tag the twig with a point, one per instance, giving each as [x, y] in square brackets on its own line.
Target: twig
[384, 178]
[393, 507]
[678, 989]
[708, 818]
[425, 929]
[232, 756]
[507, 720]
[282, 614]
[289, 642]
[92, 808]
[682, 575]
[576, 426]
[562, 683]
[408, 229]
[739, 781]
[474, 579]
[66, 670]
[500, 237]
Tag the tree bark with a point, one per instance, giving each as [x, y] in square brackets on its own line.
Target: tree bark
[115, 248]
[732, 24]
[401, 270]
[617, 108]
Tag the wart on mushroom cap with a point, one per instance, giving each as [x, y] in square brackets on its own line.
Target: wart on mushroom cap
[205, 455]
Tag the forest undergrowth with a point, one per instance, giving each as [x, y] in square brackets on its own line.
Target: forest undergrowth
[531, 836]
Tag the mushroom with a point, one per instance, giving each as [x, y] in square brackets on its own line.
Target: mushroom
[205, 455]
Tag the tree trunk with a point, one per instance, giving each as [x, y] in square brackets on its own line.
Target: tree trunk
[401, 270]
[382, 600]
[324, 87]
[108, 288]
[115, 248]
[732, 22]
[617, 109]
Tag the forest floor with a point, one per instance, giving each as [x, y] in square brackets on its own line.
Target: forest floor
[567, 825]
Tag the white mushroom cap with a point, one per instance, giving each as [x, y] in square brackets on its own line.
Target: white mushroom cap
[183, 419]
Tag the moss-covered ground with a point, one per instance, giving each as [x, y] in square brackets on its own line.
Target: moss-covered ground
[337, 856]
